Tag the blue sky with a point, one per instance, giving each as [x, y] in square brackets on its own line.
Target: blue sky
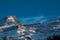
[29, 8]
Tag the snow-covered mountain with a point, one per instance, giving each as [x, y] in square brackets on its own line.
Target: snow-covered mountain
[36, 31]
[47, 29]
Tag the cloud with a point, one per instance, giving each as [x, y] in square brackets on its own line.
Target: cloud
[36, 19]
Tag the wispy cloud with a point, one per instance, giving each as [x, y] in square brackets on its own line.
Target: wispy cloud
[33, 19]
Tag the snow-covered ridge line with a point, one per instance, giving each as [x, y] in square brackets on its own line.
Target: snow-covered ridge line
[7, 26]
